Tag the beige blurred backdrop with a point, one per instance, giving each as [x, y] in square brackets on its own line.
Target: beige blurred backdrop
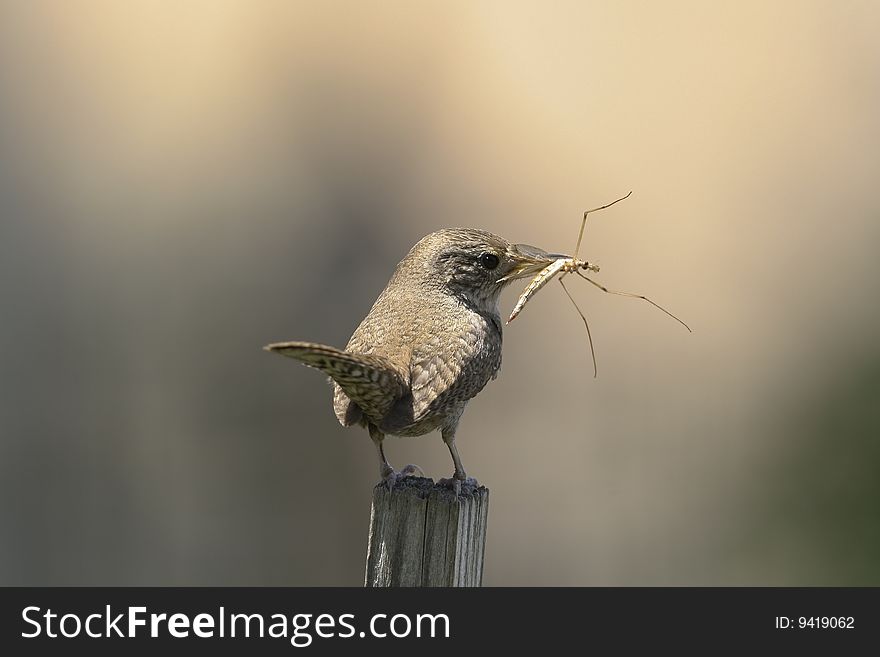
[183, 182]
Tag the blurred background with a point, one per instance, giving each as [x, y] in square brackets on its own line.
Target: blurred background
[184, 182]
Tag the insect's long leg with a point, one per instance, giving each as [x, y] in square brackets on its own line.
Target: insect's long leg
[584, 222]
[586, 324]
[635, 296]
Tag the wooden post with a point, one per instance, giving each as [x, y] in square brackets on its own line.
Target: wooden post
[422, 535]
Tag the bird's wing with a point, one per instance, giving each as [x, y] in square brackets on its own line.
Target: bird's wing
[453, 367]
[370, 382]
[433, 376]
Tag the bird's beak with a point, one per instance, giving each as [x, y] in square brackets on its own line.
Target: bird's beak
[527, 261]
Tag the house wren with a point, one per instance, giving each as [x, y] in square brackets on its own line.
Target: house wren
[430, 343]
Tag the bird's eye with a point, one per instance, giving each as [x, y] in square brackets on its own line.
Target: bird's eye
[489, 260]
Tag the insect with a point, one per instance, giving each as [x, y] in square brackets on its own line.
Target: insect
[562, 266]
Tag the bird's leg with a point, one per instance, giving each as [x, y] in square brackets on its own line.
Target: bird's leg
[388, 475]
[377, 437]
[459, 475]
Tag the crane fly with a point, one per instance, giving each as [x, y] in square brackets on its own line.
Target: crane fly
[561, 266]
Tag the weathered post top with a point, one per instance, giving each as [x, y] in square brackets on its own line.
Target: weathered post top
[421, 534]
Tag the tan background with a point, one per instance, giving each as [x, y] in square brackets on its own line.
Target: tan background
[181, 183]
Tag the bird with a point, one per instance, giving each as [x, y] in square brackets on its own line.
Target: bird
[430, 343]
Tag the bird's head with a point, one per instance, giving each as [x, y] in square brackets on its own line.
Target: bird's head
[473, 264]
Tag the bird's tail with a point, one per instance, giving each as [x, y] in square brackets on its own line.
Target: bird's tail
[371, 382]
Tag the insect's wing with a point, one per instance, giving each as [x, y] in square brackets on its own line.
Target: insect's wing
[533, 252]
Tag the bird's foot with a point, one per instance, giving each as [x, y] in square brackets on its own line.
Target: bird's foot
[456, 483]
[390, 476]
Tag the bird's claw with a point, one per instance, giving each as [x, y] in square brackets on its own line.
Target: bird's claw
[455, 483]
[410, 470]
[390, 476]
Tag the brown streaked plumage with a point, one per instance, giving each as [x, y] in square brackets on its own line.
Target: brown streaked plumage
[430, 343]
